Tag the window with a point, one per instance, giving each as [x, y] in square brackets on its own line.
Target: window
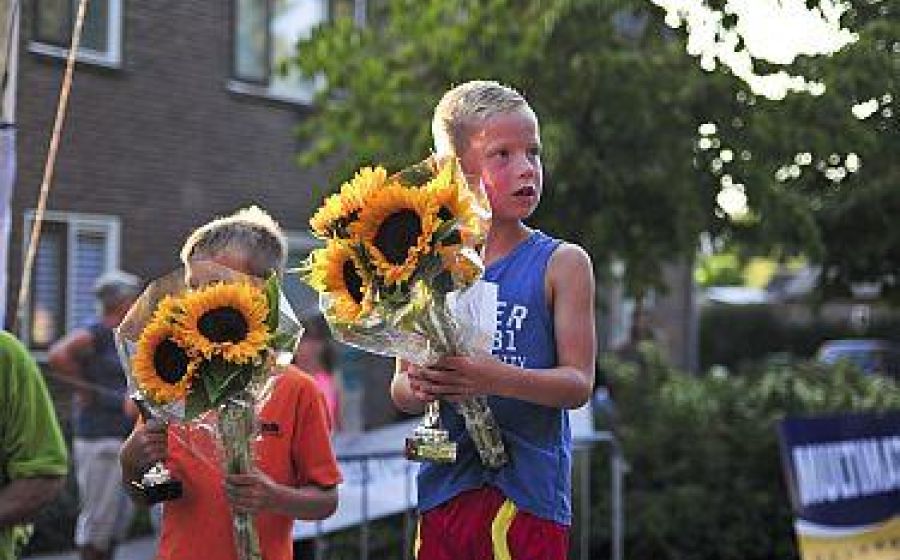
[73, 251]
[264, 35]
[101, 36]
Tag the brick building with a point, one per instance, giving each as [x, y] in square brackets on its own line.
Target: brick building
[176, 116]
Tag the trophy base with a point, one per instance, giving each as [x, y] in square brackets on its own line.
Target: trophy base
[432, 451]
[162, 491]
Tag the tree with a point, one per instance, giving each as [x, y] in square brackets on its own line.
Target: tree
[620, 104]
[822, 181]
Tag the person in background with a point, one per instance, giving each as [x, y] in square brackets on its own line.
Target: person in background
[102, 419]
[315, 355]
[33, 458]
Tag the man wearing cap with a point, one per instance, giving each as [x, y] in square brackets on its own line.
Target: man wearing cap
[101, 416]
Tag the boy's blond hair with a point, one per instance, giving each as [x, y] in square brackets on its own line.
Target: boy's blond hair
[250, 233]
[467, 105]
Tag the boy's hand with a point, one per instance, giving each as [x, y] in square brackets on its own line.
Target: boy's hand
[149, 443]
[250, 493]
[421, 388]
[458, 378]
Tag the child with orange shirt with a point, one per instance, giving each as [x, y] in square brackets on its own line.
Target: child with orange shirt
[296, 472]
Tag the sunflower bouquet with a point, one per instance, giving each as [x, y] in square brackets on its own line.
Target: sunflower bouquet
[201, 352]
[399, 275]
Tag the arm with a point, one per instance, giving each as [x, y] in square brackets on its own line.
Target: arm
[146, 445]
[34, 457]
[66, 355]
[570, 291]
[312, 493]
[256, 492]
[22, 498]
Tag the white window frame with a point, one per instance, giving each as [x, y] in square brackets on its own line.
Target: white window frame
[107, 225]
[267, 90]
[111, 58]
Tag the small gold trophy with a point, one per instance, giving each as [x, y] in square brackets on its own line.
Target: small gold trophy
[429, 441]
[157, 484]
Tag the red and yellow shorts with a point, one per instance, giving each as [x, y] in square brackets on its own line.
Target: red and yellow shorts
[482, 524]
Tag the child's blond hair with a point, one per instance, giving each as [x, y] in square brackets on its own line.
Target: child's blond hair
[250, 233]
[466, 106]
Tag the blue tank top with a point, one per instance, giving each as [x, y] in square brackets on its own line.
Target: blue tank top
[103, 416]
[538, 476]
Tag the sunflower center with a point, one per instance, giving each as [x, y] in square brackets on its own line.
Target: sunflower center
[397, 234]
[445, 214]
[170, 361]
[341, 223]
[353, 281]
[223, 324]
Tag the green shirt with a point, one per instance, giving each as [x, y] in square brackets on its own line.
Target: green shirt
[31, 443]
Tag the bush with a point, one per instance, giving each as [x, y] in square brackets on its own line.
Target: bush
[705, 478]
[735, 336]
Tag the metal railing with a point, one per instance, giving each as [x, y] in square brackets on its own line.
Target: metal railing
[361, 473]
[358, 452]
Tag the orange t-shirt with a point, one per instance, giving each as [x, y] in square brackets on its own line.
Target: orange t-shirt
[294, 450]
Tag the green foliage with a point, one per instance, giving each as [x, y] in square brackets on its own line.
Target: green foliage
[273, 292]
[847, 226]
[619, 115]
[719, 270]
[705, 478]
[614, 137]
[219, 380]
[734, 336]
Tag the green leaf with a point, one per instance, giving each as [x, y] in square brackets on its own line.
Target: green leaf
[272, 297]
[445, 230]
[197, 401]
[234, 383]
[443, 282]
[284, 341]
[222, 379]
[416, 175]
[429, 266]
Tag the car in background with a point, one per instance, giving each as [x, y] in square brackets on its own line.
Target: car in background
[871, 356]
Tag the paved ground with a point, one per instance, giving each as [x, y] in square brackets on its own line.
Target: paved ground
[139, 549]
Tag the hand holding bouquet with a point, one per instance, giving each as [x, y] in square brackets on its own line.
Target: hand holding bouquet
[395, 276]
[201, 350]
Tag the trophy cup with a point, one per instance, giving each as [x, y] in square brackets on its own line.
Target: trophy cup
[157, 484]
[429, 441]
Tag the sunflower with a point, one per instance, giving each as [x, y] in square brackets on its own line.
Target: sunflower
[227, 319]
[162, 368]
[457, 204]
[167, 309]
[463, 264]
[454, 200]
[396, 226]
[337, 272]
[341, 209]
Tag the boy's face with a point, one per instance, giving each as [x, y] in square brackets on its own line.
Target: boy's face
[505, 153]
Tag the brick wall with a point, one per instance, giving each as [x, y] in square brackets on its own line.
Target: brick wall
[160, 142]
[163, 144]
